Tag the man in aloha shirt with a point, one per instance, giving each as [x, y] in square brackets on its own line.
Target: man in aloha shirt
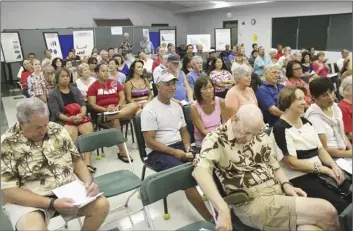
[37, 157]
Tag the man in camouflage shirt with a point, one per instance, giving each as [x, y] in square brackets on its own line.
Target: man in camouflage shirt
[126, 45]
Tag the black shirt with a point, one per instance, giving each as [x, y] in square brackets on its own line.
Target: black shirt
[67, 98]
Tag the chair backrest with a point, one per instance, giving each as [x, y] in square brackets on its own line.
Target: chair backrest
[5, 223]
[189, 123]
[345, 219]
[99, 139]
[158, 186]
[139, 137]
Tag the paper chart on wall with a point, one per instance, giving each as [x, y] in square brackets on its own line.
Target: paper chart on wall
[167, 36]
[195, 39]
[223, 38]
[116, 30]
[83, 42]
[53, 44]
[11, 46]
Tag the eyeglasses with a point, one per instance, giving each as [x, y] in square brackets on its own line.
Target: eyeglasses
[297, 69]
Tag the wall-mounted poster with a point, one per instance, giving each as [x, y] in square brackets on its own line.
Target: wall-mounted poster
[52, 42]
[11, 47]
[116, 30]
[167, 36]
[146, 33]
[195, 39]
[83, 42]
[222, 38]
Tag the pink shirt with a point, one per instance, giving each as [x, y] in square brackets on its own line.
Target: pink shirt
[235, 99]
[293, 82]
[324, 70]
[218, 77]
[210, 122]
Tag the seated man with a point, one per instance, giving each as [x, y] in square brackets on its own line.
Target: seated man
[257, 189]
[37, 157]
[267, 94]
[166, 136]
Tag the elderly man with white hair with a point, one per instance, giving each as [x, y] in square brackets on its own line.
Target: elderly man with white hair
[346, 105]
[272, 54]
[197, 71]
[159, 69]
[286, 52]
[126, 45]
[37, 157]
[257, 190]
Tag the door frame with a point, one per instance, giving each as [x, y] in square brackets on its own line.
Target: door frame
[231, 35]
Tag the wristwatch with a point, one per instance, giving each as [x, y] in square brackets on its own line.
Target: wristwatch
[317, 166]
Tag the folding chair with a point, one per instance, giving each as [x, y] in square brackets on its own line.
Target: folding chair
[345, 219]
[113, 183]
[143, 156]
[189, 123]
[170, 180]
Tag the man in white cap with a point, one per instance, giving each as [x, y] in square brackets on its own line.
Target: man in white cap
[166, 136]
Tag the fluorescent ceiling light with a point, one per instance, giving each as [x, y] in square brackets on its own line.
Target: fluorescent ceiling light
[220, 3]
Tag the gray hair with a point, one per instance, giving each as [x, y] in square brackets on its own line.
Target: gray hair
[286, 49]
[240, 72]
[271, 67]
[196, 59]
[126, 34]
[272, 51]
[346, 85]
[30, 107]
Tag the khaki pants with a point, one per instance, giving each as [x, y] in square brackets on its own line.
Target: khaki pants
[270, 210]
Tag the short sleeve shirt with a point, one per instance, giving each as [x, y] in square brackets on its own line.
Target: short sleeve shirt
[165, 119]
[346, 109]
[106, 94]
[238, 166]
[302, 143]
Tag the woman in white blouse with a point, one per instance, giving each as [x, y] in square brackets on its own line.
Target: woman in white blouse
[85, 79]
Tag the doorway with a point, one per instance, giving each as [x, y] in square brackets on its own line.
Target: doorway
[233, 25]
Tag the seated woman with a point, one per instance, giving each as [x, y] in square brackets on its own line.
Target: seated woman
[326, 118]
[306, 67]
[122, 66]
[137, 87]
[300, 152]
[208, 111]
[68, 108]
[114, 73]
[57, 63]
[107, 95]
[294, 73]
[320, 66]
[36, 83]
[27, 71]
[221, 77]
[85, 79]
[241, 93]
[346, 106]
[92, 62]
[73, 73]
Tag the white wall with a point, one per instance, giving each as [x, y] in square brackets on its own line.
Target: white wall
[205, 22]
[31, 15]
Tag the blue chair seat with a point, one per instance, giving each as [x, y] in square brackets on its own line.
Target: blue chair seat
[197, 226]
[116, 183]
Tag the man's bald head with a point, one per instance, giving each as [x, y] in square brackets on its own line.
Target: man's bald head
[248, 122]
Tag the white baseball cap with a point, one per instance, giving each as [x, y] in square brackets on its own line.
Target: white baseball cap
[164, 77]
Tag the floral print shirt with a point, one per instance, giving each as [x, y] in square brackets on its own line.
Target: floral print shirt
[218, 77]
[39, 169]
[126, 45]
[238, 166]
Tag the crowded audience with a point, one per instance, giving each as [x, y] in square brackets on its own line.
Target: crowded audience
[232, 100]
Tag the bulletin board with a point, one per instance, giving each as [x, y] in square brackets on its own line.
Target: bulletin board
[167, 36]
[195, 39]
[52, 42]
[12, 48]
[222, 38]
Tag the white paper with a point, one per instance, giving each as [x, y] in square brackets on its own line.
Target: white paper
[312, 73]
[77, 192]
[53, 44]
[11, 47]
[116, 30]
[167, 36]
[146, 32]
[184, 102]
[110, 112]
[223, 38]
[83, 42]
[195, 39]
[332, 75]
[345, 164]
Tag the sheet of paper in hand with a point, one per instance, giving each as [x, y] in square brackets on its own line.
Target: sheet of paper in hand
[77, 192]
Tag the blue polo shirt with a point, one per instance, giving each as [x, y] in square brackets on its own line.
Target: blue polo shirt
[267, 96]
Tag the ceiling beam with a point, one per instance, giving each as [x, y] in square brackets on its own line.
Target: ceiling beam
[220, 5]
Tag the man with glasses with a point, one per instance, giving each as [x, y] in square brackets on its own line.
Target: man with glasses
[267, 94]
[166, 135]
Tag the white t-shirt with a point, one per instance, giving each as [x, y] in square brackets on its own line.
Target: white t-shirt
[303, 143]
[148, 65]
[165, 119]
[322, 127]
[83, 87]
[340, 63]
